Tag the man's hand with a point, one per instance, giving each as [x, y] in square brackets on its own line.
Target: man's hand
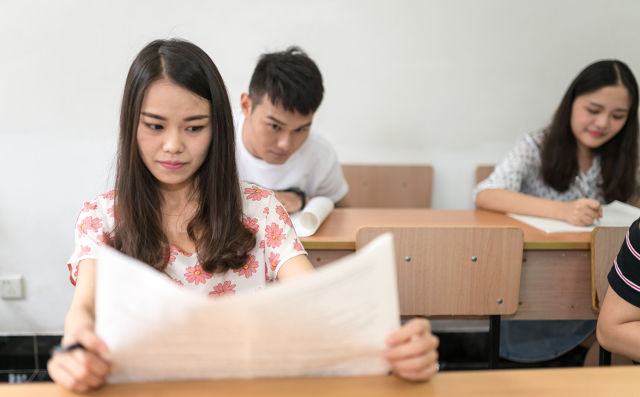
[290, 200]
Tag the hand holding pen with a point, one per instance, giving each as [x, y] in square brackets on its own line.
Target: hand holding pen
[80, 366]
[584, 211]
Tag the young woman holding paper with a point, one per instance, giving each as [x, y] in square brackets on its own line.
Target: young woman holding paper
[179, 207]
[588, 156]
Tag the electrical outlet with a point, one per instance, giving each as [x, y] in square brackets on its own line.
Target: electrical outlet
[11, 287]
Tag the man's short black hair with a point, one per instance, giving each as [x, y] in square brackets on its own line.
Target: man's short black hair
[290, 78]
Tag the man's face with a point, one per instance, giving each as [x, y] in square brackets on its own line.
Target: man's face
[270, 132]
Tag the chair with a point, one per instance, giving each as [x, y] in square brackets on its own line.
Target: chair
[605, 244]
[482, 172]
[456, 271]
[388, 186]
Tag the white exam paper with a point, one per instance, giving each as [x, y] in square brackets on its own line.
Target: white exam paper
[332, 322]
[615, 213]
[307, 221]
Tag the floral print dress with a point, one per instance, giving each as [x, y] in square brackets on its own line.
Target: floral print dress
[276, 242]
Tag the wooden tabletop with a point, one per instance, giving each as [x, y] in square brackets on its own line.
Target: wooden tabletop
[338, 232]
[582, 382]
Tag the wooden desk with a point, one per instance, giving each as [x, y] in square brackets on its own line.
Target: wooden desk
[579, 382]
[556, 273]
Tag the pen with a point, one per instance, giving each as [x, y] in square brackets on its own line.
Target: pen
[64, 349]
[585, 195]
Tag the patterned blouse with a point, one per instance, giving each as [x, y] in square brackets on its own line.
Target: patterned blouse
[276, 242]
[520, 171]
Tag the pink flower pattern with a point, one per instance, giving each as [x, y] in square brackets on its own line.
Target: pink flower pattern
[250, 267]
[174, 251]
[263, 215]
[172, 257]
[73, 276]
[274, 260]
[251, 224]
[89, 223]
[283, 215]
[110, 195]
[104, 239]
[88, 207]
[84, 250]
[256, 193]
[196, 275]
[275, 236]
[176, 282]
[221, 289]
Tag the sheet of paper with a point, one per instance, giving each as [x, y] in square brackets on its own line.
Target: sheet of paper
[332, 322]
[615, 213]
[307, 221]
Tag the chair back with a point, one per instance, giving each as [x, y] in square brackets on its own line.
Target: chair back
[456, 270]
[388, 186]
[605, 244]
[483, 172]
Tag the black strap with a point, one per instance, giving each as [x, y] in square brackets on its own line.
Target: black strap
[300, 193]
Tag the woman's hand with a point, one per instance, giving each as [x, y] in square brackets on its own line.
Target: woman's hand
[80, 370]
[582, 212]
[412, 351]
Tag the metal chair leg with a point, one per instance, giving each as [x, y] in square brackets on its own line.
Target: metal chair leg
[605, 357]
[494, 341]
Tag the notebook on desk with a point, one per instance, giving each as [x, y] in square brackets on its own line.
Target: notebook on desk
[615, 213]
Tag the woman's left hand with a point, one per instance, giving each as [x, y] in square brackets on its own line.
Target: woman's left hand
[412, 351]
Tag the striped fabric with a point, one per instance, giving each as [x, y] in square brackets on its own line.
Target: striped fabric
[624, 276]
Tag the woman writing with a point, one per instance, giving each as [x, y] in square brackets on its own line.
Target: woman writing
[587, 157]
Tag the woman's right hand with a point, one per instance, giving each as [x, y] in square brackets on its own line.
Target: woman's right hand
[582, 212]
[80, 370]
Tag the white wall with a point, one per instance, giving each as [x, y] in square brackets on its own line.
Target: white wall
[450, 83]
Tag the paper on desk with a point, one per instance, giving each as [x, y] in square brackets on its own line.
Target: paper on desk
[332, 322]
[615, 213]
[307, 221]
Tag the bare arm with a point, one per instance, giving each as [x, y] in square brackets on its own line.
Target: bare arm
[81, 370]
[619, 326]
[81, 312]
[294, 267]
[581, 212]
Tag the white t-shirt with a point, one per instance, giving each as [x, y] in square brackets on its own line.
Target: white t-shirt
[314, 168]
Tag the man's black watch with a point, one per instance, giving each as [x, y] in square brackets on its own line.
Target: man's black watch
[300, 193]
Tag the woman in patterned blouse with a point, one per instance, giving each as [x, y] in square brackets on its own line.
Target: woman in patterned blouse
[179, 207]
[588, 156]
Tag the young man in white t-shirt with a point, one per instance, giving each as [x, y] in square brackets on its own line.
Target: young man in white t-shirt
[274, 147]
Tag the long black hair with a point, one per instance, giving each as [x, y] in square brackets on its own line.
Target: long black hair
[221, 240]
[618, 156]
